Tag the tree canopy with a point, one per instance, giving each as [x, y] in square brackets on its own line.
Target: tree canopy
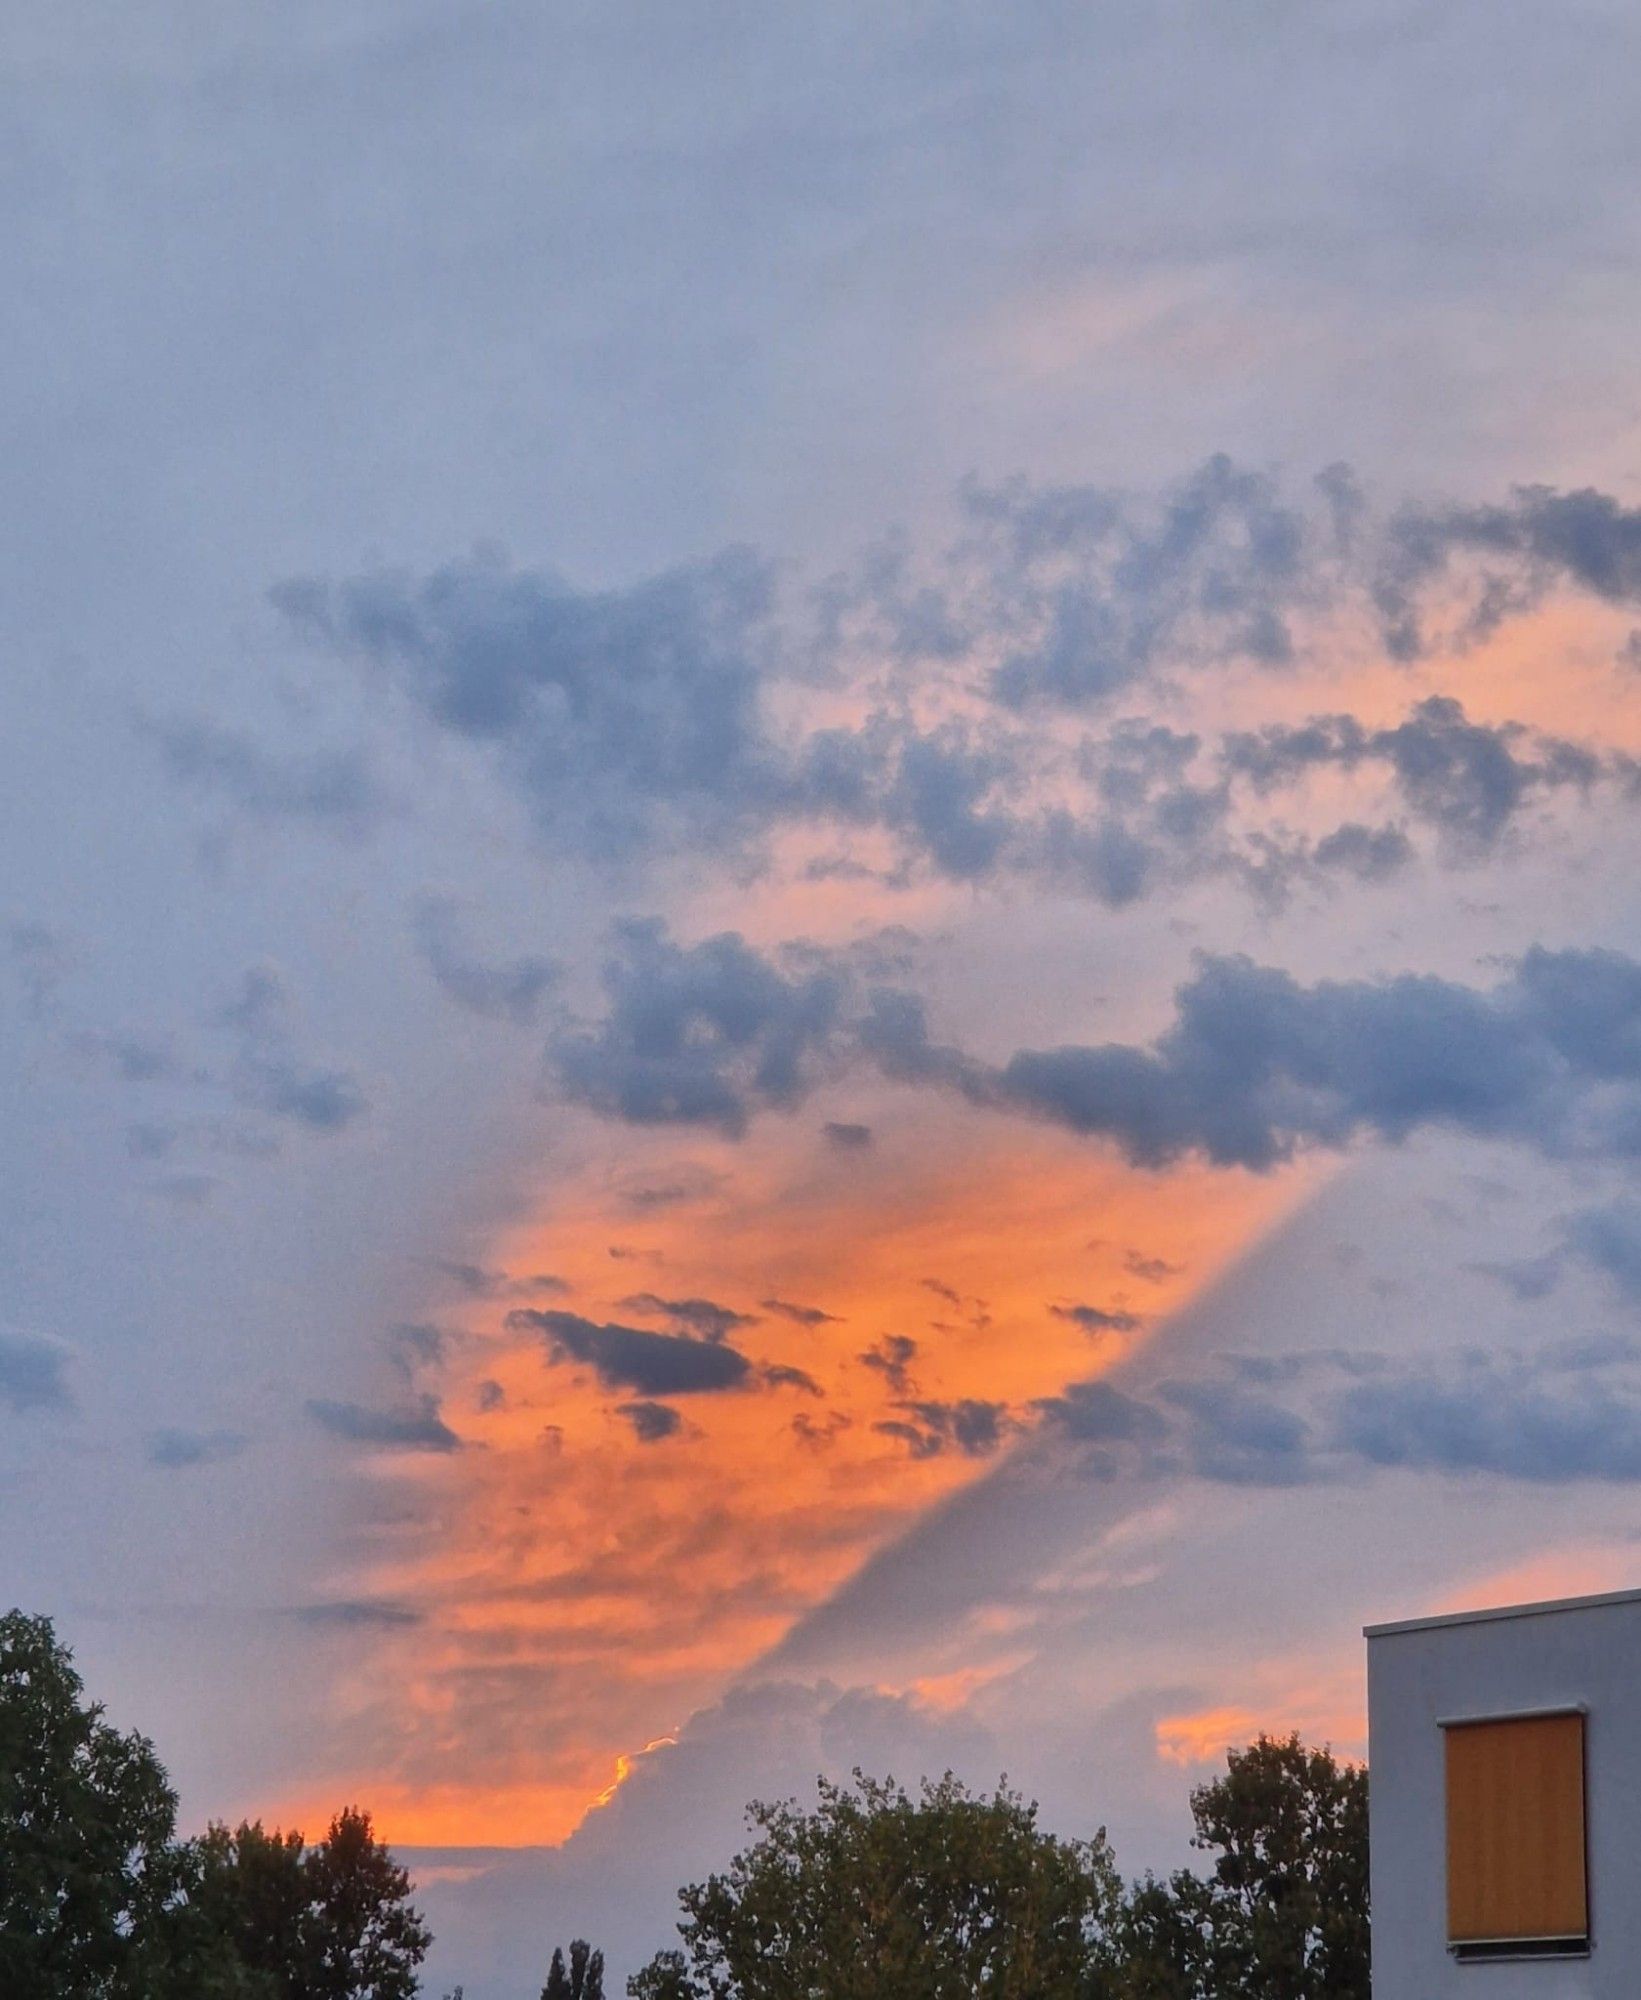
[100, 1901]
[941, 1895]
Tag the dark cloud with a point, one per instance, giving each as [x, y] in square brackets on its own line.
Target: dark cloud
[1567, 1412]
[1501, 1420]
[416, 1344]
[651, 1422]
[419, 1428]
[1254, 1068]
[33, 1374]
[1538, 539]
[42, 960]
[1257, 1067]
[702, 1034]
[891, 1357]
[1099, 1319]
[799, 1315]
[477, 1282]
[779, 1375]
[847, 1138]
[1092, 591]
[703, 1317]
[971, 1426]
[335, 788]
[620, 715]
[176, 1450]
[1466, 779]
[269, 1075]
[506, 990]
[356, 1614]
[1610, 1239]
[630, 1357]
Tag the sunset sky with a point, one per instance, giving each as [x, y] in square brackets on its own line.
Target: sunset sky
[822, 904]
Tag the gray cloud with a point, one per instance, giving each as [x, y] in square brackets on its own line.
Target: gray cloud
[1467, 779]
[618, 714]
[892, 1357]
[508, 990]
[847, 1138]
[1254, 1068]
[644, 720]
[1098, 1319]
[799, 1315]
[971, 1426]
[335, 788]
[176, 1450]
[418, 1428]
[1567, 1412]
[651, 1422]
[269, 1074]
[631, 1357]
[33, 1373]
[703, 1317]
[697, 1035]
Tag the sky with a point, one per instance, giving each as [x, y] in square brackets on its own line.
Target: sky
[819, 936]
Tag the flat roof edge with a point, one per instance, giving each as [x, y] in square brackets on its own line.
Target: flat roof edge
[1488, 1616]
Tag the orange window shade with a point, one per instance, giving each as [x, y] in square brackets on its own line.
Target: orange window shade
[1515, 1830]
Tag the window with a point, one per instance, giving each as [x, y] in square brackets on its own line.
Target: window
[1516, 1883]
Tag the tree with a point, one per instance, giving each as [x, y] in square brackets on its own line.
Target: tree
[328, 1922]
[92, 1887]
[584, 1978]
[942, 1896]
[1284, 1913]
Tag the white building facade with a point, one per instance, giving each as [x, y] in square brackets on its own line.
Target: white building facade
[1505, 1803]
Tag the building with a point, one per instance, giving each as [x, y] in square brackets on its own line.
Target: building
[1505, 1802]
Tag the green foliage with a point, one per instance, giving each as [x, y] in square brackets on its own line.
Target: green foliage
[1284, 1913]
[92, 1888]
[98, 1901]
[328, 1922]
[942, 1896]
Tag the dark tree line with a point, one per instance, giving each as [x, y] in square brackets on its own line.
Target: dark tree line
[100, 1901]
[944, 1895]
[875, 1893]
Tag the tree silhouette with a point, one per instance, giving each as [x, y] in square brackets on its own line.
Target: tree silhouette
[583, 1979]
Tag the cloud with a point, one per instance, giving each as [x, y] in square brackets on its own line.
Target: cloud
[621, 716]
[1567, 1412]
[1254, 1068]
[780, 1375]
[1610, 1239]
[630, 1357]
[42, 960]
[1537, 539]
[1464, 778]
[269, 1075]
[799, 1315]
[510, 990]
[335, 788]
[419, 1428]
[176, 1450]
[1099, 1319]
[704, 1317]
[847, 1138]
[651, 1422]
[33, 1374]
[356, 1614]
[697, 1035]
[891, 1357]
[1257, 1067]
[664, 716]
[972, 1426]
